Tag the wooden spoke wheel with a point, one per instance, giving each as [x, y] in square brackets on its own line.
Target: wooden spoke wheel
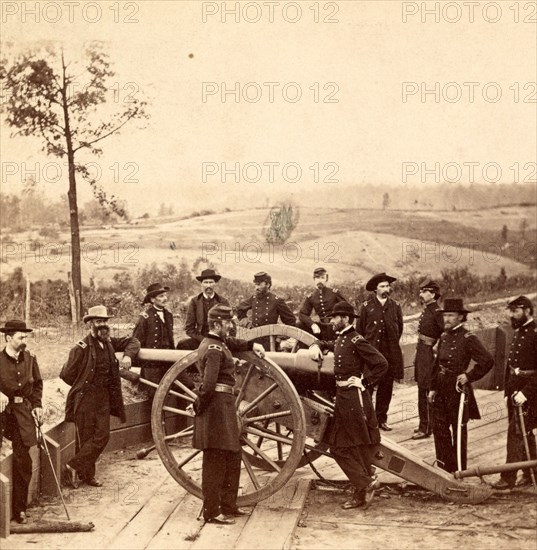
[270, 454]
[270, 334]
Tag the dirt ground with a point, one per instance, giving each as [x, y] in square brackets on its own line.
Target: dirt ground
[405, 516]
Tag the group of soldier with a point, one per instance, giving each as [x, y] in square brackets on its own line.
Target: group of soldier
[367, 360]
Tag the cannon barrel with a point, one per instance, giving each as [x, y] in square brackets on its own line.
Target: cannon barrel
[299, 367]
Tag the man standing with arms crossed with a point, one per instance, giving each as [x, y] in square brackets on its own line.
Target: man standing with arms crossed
[520, 390]
[381, 324]
[430, 327]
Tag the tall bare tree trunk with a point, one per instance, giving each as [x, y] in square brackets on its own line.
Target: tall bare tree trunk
[76, 272]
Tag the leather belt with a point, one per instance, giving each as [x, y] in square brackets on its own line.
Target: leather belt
[17, 399]
[523, 373]
[427, 340]
[223, 388]
[447, 372]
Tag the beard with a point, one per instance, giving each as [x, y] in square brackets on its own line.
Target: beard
[320, 285]
[21, 347]
[102, 333]
[338, 327]
[517, 323]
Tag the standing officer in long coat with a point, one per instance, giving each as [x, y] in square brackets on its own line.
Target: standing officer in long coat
[453, 375]
[92, 371]
[21, 390]
[430, 328]
[216, 429]
[381, 323]
[266, 307]
[357, 367]
[196, 325]
[520, 390]
[154, 330]
[322, 300]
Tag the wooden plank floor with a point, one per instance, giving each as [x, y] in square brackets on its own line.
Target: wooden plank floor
[160, 514]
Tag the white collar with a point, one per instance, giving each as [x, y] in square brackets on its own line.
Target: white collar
[346, 329]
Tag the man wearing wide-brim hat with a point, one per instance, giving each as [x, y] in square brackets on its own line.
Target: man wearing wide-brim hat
[381, 323]
[452, 376]
[196, 324]
[92, 371]
[154, 330]
[358, 366]
[520, 390]
[21, 391]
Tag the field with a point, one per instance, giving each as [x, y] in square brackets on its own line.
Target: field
[353, 243]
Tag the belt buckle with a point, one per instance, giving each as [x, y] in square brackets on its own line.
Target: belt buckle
[18, 399]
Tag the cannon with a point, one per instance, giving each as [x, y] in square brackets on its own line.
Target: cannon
[284, 408]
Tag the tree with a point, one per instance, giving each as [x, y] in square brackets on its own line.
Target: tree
[505, 232]
[385, 201]
[57, 100]
[523, 229]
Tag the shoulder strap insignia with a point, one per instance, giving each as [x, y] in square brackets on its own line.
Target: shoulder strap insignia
[144, 315]
[357, 338]
[82, 344]
[335, 290]
[215, 346]
[310, 295]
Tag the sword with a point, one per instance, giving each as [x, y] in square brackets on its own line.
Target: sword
[525, 438]
[43, 443]
[459, 425]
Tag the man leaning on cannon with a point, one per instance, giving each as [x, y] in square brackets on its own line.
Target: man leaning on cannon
[21, 390]
[357, 367]
[521, 392]
[92, 371]
[216, 431]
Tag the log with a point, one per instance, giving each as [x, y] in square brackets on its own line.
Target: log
[48, 526]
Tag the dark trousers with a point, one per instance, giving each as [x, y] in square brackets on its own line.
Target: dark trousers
[516, 452]
[445, 428]
[154, 371]
[188, 343]
[22, 470]
[356, 464]
[384, 396]
[92, 425]
[424, 413]
[220, 481]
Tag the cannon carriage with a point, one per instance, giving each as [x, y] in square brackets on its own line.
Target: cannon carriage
[284, 408]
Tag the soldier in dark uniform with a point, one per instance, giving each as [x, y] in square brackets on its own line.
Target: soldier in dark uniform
[322, 300]
[216, 429]
[381, 323]
[196, 326]
[21, 390]
[266, 307]
[357, 366]
[92, 371]
[154, 330]
[430, 327]
[451, 375]
[520, 389]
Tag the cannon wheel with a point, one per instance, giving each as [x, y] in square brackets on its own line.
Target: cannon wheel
[264, 393]
[312, 450]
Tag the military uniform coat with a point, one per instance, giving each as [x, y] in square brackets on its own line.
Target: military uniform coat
[456, 349]
[322, 302]
[523, 356]
[20, 378]
[79, 371]
[431, 324]
[382, 326]
[152, 333]
[215, 423]
[355, 424]
[266, 310]
[196, 316]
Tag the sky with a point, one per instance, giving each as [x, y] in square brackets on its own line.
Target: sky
[331, 94]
